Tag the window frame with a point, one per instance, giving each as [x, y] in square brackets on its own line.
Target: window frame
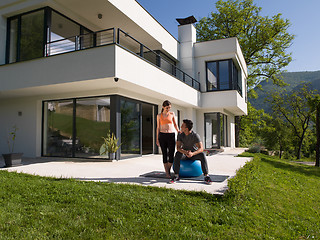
[221, 129]
[235, 83]
[46, 31]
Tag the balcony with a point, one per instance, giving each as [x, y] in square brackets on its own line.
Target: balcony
[123, 39]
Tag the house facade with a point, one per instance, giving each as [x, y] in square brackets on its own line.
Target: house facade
[70, 71]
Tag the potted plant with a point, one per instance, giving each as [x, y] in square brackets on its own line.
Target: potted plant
[110, 146]
[11, 158]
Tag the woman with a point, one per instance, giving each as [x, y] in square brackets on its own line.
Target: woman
[166, 125]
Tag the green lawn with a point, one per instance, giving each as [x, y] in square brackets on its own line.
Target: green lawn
[268, 199]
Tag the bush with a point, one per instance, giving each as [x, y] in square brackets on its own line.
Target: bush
[256, 148]
[240, 183]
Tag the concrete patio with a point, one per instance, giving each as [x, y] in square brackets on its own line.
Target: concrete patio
[223, 164]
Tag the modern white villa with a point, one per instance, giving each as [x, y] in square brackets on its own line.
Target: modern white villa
[71, 70]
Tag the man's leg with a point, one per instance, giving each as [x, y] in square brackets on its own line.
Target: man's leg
[176, 166]
[176, 163]
[204, 166]
[204, 163]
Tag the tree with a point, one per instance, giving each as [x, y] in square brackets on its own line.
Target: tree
[314, 103]
[295, 110]
[250, 125]
[275, 134]
[263, 40]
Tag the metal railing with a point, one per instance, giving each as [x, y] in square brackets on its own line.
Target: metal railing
[130, 43]
[111, 36]
[80, 42]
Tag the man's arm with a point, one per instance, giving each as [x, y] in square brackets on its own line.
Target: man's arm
[180, 149]
[199, 150]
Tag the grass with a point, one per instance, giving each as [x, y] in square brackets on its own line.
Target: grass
[268, 199]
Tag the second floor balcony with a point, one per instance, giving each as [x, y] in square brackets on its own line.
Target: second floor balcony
[102, 38]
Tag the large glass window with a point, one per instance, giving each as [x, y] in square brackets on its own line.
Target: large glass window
[58, 128]
[92, 123]
[30, 35]
[211, 130]
[130, 127]
[75, 127]
[216, 130]
[223, 75]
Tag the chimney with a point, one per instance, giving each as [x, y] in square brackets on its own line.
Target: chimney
[187, 37]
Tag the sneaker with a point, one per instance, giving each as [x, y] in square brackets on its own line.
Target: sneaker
[174, 179]
[207, 180]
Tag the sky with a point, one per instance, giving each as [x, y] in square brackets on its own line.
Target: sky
[304, 17]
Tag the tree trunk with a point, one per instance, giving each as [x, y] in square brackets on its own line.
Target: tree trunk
[299, 149]
[318, 136]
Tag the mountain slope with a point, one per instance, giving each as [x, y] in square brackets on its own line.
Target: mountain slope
[292, 78]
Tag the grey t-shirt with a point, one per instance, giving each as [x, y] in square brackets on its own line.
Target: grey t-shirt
[189, 142]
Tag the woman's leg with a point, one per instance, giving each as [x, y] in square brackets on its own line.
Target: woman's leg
[171, 147]
[164, 148]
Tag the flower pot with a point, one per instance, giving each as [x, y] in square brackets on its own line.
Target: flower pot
[112, 156]
[12, 159]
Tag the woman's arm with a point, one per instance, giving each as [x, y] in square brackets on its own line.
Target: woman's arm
[158, 130]
[174, 123]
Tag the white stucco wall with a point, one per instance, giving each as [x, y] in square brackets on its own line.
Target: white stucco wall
[144, 77]
[28, 124]
[73, 67]
[141, 17]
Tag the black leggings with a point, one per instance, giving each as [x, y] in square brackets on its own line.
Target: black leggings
[167, 143]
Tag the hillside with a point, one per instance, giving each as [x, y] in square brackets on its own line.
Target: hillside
[292, 78]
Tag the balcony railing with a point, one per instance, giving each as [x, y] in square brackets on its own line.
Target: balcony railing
[111, 36]
[80, 42]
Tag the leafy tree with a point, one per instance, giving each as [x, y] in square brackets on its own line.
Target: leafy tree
[250, 125]
[314, 103]
[263, 40]
[295, 110]
[275, 134]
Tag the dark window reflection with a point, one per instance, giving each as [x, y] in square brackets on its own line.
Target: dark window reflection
[58, 128]
[92, 123]
[130, 127]
[31, 42]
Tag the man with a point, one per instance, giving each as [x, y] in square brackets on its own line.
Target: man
[189, 146]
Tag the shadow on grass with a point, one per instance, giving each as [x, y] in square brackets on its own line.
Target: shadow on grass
[293, 167]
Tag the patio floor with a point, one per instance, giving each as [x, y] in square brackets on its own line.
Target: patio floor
[222, 166]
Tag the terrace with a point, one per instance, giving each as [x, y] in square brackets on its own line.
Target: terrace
[124, 40]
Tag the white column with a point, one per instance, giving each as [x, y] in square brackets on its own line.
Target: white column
[187, 38]
[191, 114]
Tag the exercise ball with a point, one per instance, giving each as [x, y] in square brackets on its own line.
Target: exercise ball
[189, 168]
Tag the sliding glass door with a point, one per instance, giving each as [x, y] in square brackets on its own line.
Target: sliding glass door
[58, 128]
[216, 130]
[130, 128]
[92, 123]
[75, 127]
